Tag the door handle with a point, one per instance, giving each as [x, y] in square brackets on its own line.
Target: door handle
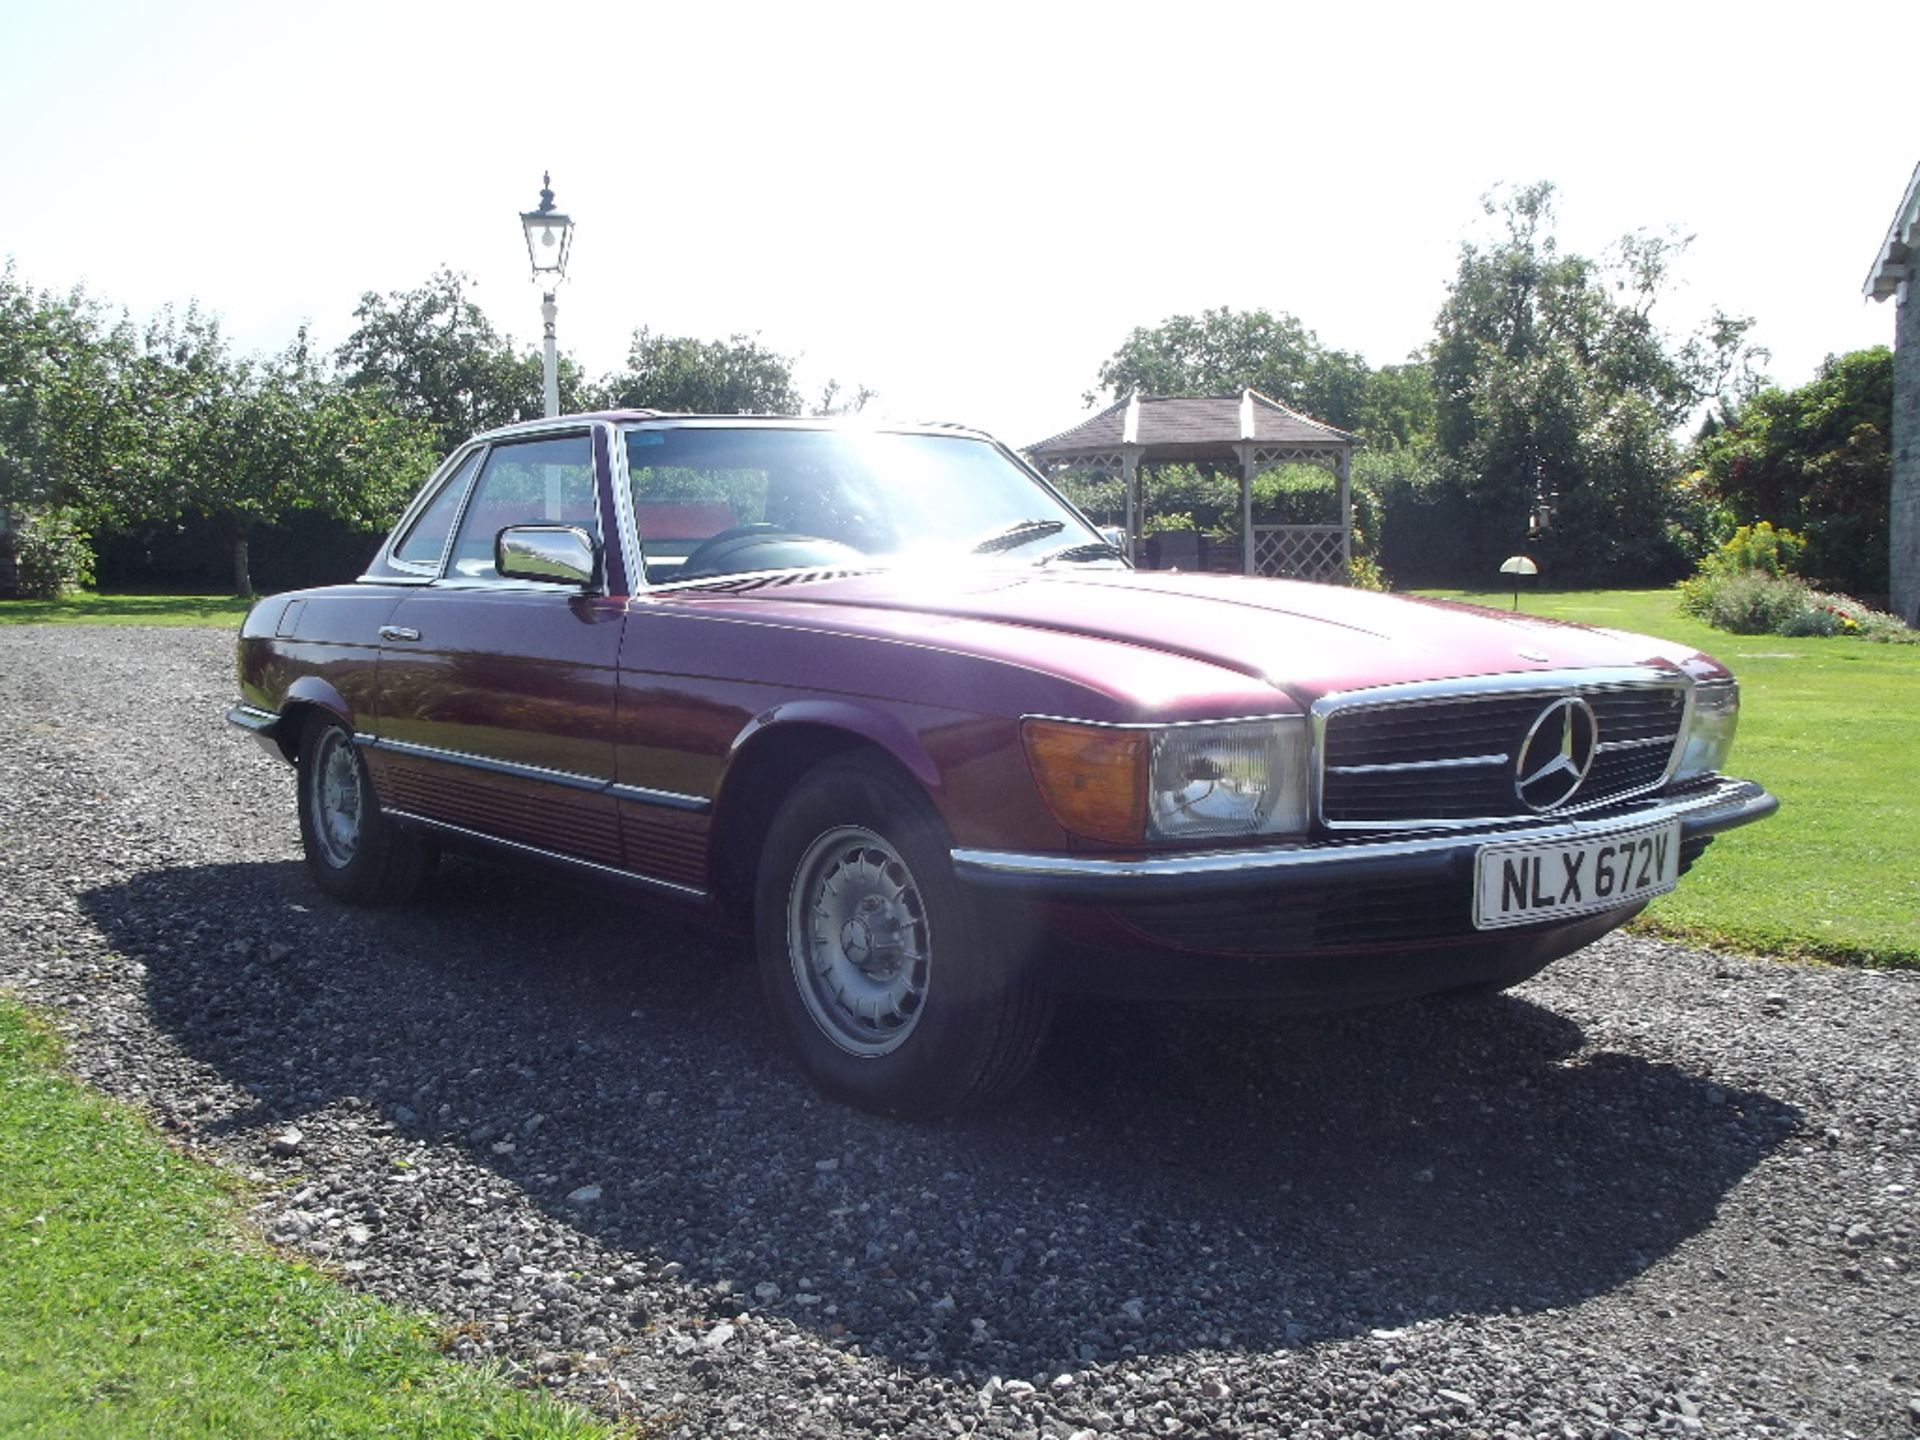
[398, 632]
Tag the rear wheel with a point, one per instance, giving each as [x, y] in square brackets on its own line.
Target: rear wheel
[892, 987]
[354, 852]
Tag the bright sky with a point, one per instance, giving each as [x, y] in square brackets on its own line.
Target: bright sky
[964, 207]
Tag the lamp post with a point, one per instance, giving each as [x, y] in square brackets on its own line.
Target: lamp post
[549, 238]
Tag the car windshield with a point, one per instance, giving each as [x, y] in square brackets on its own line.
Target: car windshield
[715, 499]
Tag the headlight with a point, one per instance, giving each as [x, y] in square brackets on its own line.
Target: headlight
[1175, 782]
[1710, 727]
[1210, 780]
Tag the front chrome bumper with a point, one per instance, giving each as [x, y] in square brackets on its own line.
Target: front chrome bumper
[262, 725]
[1720, 805]
[252, 719]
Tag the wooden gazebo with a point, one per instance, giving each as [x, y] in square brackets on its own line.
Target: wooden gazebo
[1249, 431]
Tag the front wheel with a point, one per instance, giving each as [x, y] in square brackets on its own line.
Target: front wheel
[353, 851]
[893, 990]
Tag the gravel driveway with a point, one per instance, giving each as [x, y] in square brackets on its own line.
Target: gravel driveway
[1656, 1191]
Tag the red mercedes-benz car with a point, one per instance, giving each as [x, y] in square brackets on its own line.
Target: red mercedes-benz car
[886, 697]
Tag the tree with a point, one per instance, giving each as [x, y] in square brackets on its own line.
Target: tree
[1396, 408]
[1224, 351]
[1214, 353]
[73, 437]
[738, 376]
[835, 400]
[68, 434]
[1817, 461]
[1556, 395]
[107, 427]
[254, 441]
[280, 437]
[433, 350]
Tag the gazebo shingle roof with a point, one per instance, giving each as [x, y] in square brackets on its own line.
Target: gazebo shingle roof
[1248, 432]
[1192, 423]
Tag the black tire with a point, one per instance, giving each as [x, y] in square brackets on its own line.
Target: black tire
[889, 982]
[353, 851]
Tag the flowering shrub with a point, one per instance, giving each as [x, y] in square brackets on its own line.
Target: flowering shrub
[1850, 617]
[1757, 550]
[1760, 604]
[1748, 586]
[1751, 603]
[1844, 621]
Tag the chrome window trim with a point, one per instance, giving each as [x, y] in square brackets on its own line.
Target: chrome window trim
[418, 571]
[531, 587]
[611, 872]
[633, 560]
[560, 427]
[852, 425]
[1547, 684]
[566, 779]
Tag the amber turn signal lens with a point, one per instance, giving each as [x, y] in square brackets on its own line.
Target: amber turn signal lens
[1093, 777]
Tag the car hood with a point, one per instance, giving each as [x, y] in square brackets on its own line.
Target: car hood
[1304, 639]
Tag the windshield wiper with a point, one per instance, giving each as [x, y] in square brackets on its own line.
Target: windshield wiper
[1085, 550]
[1018, 534]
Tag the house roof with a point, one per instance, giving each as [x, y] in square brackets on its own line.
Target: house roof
[1893, 266]
[1176, 427]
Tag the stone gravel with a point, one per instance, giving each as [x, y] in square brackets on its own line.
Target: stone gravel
[1655, 1192]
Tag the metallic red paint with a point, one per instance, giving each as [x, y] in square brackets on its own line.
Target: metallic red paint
[625, 729]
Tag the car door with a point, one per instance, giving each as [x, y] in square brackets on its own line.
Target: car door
[496, 695]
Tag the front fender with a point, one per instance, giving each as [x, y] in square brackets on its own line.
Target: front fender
[873, 725]
[971, 766]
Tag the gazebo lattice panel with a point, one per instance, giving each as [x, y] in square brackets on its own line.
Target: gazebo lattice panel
[1267, 457]
[1114, 464]
[1299, 552]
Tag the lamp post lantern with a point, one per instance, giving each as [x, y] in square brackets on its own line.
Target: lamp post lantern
[549, 238]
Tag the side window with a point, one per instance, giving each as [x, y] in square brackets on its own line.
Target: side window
[423, 542]
[548, 481]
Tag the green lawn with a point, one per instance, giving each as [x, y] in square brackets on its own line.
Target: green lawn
[1828, 725]
[86, 608]
[132, 1306]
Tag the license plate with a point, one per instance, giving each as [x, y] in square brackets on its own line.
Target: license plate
[1524, 884]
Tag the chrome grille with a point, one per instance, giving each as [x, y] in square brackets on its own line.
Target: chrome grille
[1436, 758]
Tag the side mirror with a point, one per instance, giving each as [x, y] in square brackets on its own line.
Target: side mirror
[552, 554]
